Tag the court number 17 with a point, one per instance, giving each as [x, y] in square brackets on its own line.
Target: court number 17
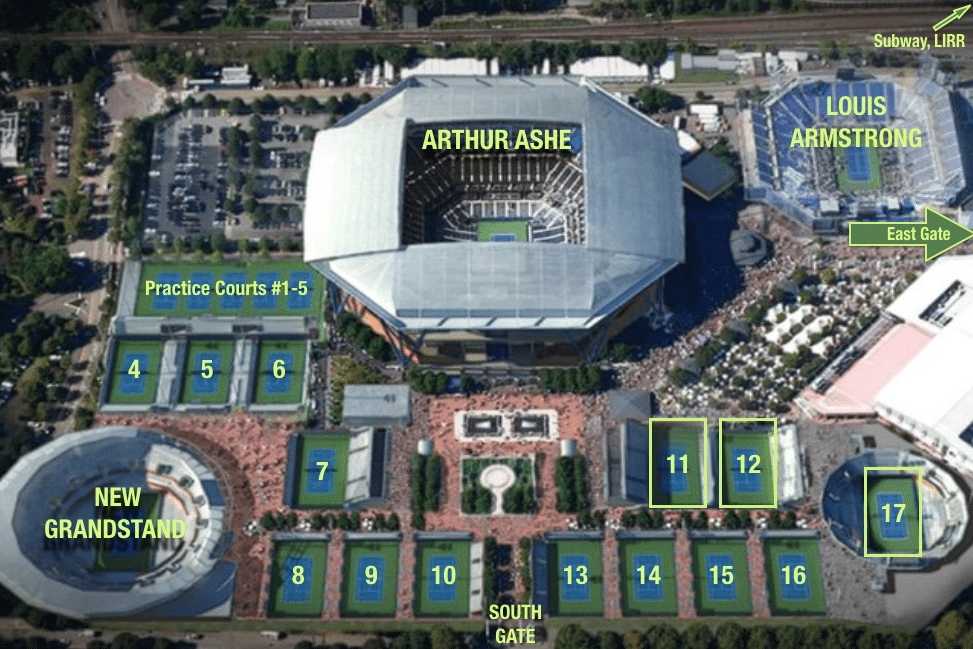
[324, 467]
[726, 575]
[899, 508]
[672, 463]
[449, 574]
[754, 466]
[580, 575]
[653, 575]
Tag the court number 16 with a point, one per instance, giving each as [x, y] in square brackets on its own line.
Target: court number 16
[799, 575]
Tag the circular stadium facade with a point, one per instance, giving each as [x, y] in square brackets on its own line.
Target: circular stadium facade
[67, 503]
[495, 219]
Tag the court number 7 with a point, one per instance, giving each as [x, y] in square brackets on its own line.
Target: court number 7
[754, 467]
[726, 575]
[653, 575]
[581, 575]
[900, 509]
[324, 467]
[133, 369]
[371, 575]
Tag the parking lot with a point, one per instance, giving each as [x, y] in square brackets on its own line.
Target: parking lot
[208, 176]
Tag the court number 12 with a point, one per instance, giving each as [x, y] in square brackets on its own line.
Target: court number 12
[754, 467]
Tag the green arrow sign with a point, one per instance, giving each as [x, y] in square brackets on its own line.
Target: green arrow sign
[937, 234]
[958, 13]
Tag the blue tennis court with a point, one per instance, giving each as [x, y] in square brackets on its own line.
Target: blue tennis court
[503, 236]
[294, 299]
[292, 592]
[669, 482]
[233, 302]
[274, 385]
[326, 484]
[268, 300]
[719, 590]
[574, 591]
[894, 527]
[441, 592]
[364, 591]
[200, 302]
[744, 482]
[859, 170]
[128, 383]
[201, 385]
[166, 302]
[793, 590]
[645, 588]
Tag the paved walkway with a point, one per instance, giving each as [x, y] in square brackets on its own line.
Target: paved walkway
[758, 576]
[611, 577]
[333, 578]
[684, 576]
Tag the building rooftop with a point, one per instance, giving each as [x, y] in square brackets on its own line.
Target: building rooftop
[377, 405]
[333, 10]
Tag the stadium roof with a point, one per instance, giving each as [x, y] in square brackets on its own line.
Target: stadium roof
[633, 206]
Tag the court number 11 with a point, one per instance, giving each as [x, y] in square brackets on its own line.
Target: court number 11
[754, 467]
[672, 463]
[581, 575]
[449, 574]
[653, 575]
[899, 508]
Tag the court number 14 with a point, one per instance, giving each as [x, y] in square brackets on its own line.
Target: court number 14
[448, 576]
[653, 575]
[899, 508]
[725, 575]
[580, 575]
[754, 466]
[672, 463]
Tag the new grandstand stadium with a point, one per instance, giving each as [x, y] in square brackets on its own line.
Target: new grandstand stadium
[64, 551]
[515, 255]
[916, 159]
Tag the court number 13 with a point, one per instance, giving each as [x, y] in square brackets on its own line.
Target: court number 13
[754, 466]
[726, 575]
[580, 575]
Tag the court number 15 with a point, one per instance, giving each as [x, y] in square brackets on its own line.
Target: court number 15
[725, 575]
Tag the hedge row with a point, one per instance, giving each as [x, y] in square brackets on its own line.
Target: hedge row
[570, 478]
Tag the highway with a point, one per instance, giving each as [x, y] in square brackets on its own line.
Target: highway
[788, 29]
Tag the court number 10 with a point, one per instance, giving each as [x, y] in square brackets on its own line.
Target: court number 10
[279, 369]
[899, 508]
[371, 575]
[580, 575]
[449, 574]
[653, 575]
[725, 575]
[799, 575]
[754, 466]
[672, 463]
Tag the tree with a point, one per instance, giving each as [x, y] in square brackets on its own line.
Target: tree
[789, 636]
[635, 640]
[653, 99]
[573, 636]
[306, 66]
[947, 632]
[829, 276]
[730, 635]
[191, 14]
[378, 643]
[609, 640]
[443, 637]
[697, 636]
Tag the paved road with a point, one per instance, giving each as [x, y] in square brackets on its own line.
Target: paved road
[792, 29]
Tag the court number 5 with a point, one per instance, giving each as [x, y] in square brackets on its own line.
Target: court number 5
[206, 369]
[279, 369]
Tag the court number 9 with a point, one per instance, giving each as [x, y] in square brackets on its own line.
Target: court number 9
[799, 575]
[279, 369]
[653, 575]
[449, 574]
[754, 467]
[297, 575]
[371, 575]
[726, 575]
[580, 575]
[206, 369]
[133, 369]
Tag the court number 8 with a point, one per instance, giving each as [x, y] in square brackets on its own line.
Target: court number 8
[279, 369]
[371, 575]
[297, 575]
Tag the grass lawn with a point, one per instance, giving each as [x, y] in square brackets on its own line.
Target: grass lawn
[297, 578]
[135, 371]
[845, 184]
[702, 76]
[748, 467]
[128, 555]
[575, 568]
[502, 230]
[641, 593]
[233, 273]
[676, 472]
[206, 374]
[280, 372]
[444, 592]
[730, 595]
[313, 489]
[793, 591]
[370, 579]
[893, 529]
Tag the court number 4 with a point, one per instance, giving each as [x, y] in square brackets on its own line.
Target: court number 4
[206, 369]
[754, 466]
[279, 369]
[449, 574]
[133, 369]
[899, 508]
[371, 575]
[580, 575]
[297, 575]
[799, 575]
[672, 463]
[725, 575]
[653, 575]
[324, 467]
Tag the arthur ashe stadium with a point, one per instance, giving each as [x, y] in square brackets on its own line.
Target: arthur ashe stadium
[511, 256]
[824, 185]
